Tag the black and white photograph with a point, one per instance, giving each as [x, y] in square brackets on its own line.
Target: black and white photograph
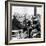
[25, 22]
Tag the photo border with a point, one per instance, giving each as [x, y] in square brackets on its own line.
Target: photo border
[6, 22]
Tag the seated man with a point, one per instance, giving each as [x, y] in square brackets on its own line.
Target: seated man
[16, 24]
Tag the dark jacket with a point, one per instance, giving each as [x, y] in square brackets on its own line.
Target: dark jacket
[16, 24]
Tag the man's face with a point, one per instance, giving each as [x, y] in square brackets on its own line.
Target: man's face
[20, 18]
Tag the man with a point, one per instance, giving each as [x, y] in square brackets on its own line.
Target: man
[16, 24]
